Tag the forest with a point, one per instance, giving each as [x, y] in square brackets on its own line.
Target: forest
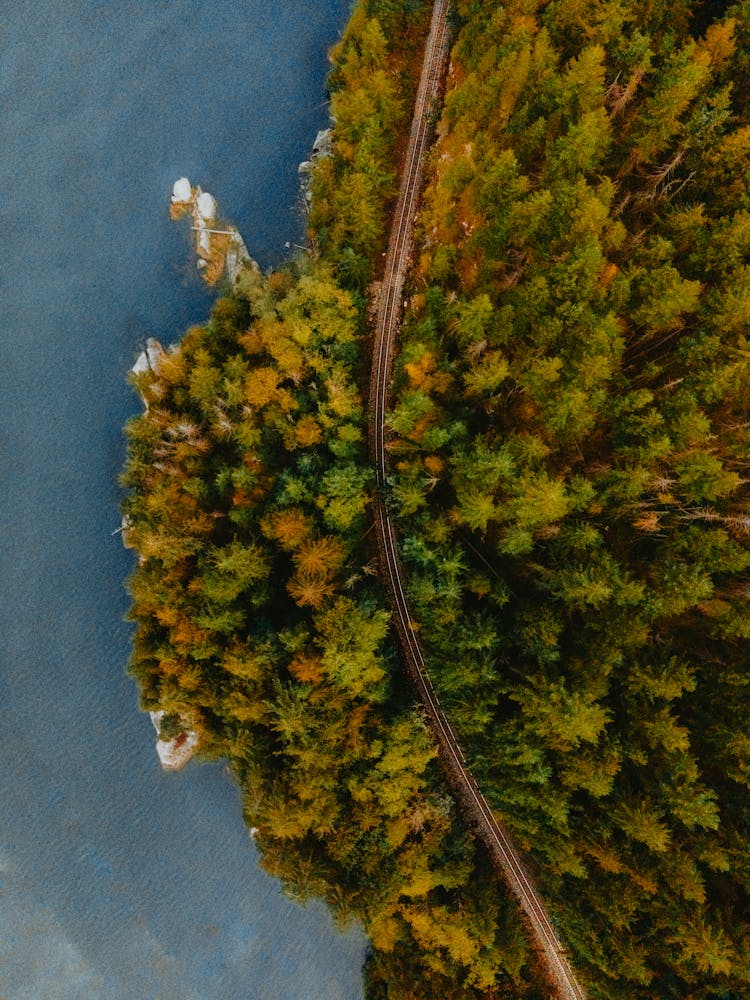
[569, 439]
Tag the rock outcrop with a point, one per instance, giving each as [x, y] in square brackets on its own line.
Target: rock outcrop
[321, 147]
[220, 248]
[148, 360]
[174, 753]
[181, 191]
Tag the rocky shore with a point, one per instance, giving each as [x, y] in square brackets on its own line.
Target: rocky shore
[176, 751]
[173, 751]
[220, 247]
[221, 251]
[321, 148]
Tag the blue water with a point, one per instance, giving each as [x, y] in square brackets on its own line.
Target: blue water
[118, 881]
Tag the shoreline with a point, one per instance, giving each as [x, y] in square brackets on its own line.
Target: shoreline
[174, 753]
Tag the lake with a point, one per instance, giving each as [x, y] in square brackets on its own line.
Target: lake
[119, 881]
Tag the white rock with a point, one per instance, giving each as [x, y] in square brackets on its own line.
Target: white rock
[207, 205]
[174, 754]
[182, 190]
[149, 359]
[322, 144]
[204, 240]
[154, 351]
[238, 257]
[141, 363]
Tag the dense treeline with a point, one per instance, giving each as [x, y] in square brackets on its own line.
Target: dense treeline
[569, 439]
[571, 447]
[376, 69]
[260, 624]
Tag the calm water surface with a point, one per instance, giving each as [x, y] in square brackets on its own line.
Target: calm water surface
[119, 882]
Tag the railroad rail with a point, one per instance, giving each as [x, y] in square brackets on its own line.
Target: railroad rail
[503, 853]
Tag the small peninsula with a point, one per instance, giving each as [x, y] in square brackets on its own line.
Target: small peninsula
[567, 445]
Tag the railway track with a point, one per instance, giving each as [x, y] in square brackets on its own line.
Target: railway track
[505, 856]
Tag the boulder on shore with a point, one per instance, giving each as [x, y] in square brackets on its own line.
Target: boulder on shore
[322, 147]
[323, 143]
[182, 192]
[206, 205]
[149, 359]
[175, 753]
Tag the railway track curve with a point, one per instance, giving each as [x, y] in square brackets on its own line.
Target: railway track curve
[505, 856]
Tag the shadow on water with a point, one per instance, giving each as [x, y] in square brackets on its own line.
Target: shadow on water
[120, 882]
